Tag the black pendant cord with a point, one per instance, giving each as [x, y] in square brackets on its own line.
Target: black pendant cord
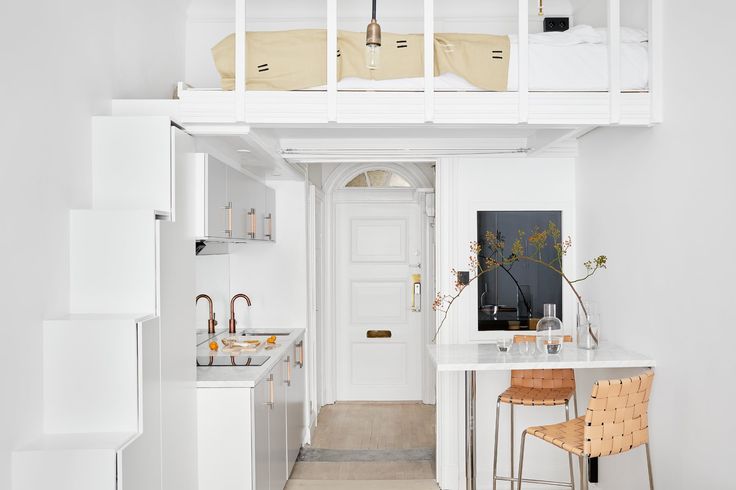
[374, 10]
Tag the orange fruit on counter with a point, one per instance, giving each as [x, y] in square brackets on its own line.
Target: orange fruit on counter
[214, 345]
[271, 339]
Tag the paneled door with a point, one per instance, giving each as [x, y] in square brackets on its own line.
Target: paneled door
[377, 249]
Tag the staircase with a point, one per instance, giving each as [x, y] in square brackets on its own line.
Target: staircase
[102, 363]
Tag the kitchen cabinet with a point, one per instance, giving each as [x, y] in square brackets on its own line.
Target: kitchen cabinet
[296, 394]
[231, 206]
[249, 438]
[277, 429]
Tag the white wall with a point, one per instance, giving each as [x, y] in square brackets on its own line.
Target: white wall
[273, 275]
[464, 186]
[58, 69]
[660, 203]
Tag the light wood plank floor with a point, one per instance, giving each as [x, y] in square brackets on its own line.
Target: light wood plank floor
[371, 426]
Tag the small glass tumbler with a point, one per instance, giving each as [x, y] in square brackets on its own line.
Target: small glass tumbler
[526, 348]
[504, 344]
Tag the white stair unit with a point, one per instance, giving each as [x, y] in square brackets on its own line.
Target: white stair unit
[102, 366]
[386, 107]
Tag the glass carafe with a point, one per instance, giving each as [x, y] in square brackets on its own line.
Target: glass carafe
[549, 331]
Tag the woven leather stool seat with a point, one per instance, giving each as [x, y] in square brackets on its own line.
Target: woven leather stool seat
[615, 421]
[566, 435]
[521, 395]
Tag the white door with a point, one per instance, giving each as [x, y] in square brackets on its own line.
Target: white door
[378, 248]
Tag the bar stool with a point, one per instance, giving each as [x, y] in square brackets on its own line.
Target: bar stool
[535, 387]
[616, 421]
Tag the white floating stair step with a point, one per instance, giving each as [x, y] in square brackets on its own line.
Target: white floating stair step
[102, 406]
[132, 163]
[113, 261]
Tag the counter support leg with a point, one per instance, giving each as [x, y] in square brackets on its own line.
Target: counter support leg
[470, 429]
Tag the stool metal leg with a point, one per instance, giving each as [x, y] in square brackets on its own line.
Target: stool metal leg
[581, 464]
[495, 443]
[569, 455]
[649, 467]
[575, 406]
[511, 411]
[521, 458]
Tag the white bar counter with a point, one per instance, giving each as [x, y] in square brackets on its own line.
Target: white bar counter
[471, 358]
[486, 357]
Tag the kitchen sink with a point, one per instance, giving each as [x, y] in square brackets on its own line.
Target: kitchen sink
[223, 360]
[265, 333]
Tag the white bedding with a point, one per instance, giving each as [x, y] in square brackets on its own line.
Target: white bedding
[574, 60]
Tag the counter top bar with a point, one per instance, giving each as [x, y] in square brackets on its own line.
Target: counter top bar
[471, 358]
[486, 357]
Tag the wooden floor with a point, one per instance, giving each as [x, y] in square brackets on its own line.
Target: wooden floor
[391, 433]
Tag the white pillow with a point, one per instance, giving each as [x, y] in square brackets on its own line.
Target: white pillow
[628, 34]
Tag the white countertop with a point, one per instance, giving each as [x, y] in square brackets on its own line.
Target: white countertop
[244, 376]
[486, 357]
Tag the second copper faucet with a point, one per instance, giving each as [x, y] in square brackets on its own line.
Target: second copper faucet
[232, 323]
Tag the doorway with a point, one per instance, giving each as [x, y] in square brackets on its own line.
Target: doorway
[381, 283]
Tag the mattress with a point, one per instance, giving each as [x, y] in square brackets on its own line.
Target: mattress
[575, 60]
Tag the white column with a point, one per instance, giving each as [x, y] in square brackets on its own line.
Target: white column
[240, 53]
[523, 56]
[332, 60]
[614, 60]
[428, 60]
[655, 59]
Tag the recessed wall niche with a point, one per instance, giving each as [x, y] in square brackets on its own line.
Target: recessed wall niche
[512, 297]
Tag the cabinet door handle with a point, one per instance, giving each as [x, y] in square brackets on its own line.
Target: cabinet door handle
[229, 218]
[270, 391]
[300, 346]
[268, 221]
[252, 223]
[288, 370]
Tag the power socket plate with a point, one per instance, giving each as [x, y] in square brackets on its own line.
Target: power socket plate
[556, 24]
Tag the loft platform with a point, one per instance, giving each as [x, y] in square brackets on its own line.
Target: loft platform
[618, 80]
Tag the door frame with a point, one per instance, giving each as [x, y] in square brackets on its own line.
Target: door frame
[335, 193]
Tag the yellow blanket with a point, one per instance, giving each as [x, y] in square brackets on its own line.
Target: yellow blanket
[294, 60]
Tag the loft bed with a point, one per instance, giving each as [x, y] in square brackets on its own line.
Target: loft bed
[585, 76]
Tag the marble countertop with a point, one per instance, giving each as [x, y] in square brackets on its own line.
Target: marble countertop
[242, 376]
[486, 357]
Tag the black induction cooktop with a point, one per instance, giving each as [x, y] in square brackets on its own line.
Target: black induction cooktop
[237, 361]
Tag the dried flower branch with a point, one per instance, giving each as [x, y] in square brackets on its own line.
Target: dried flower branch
[529, 248]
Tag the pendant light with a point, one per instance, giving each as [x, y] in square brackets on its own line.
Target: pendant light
[373, 42]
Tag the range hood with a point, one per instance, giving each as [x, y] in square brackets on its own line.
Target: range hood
[209, 247]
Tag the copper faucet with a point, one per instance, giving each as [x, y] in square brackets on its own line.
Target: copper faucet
[211, 322]
[232, 322]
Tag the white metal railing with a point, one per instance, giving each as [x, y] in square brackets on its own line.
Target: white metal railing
[240, 61]
[614, 60]
[522, 55]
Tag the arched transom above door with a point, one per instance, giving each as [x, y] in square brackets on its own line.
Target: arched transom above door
[377, 178]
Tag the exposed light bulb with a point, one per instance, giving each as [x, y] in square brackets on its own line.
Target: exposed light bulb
[372, 56]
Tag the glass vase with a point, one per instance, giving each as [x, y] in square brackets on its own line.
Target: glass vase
[549, 331]
[588, 326]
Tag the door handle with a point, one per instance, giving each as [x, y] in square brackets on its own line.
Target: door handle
[269, 226]
[288, 370]
[229, 219]
[300, 359]
[252, 223]
[270, 391]
[378, 334]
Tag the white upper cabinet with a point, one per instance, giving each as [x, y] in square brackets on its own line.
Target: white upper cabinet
[213, 208]
[132, 162]
[230, 205]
